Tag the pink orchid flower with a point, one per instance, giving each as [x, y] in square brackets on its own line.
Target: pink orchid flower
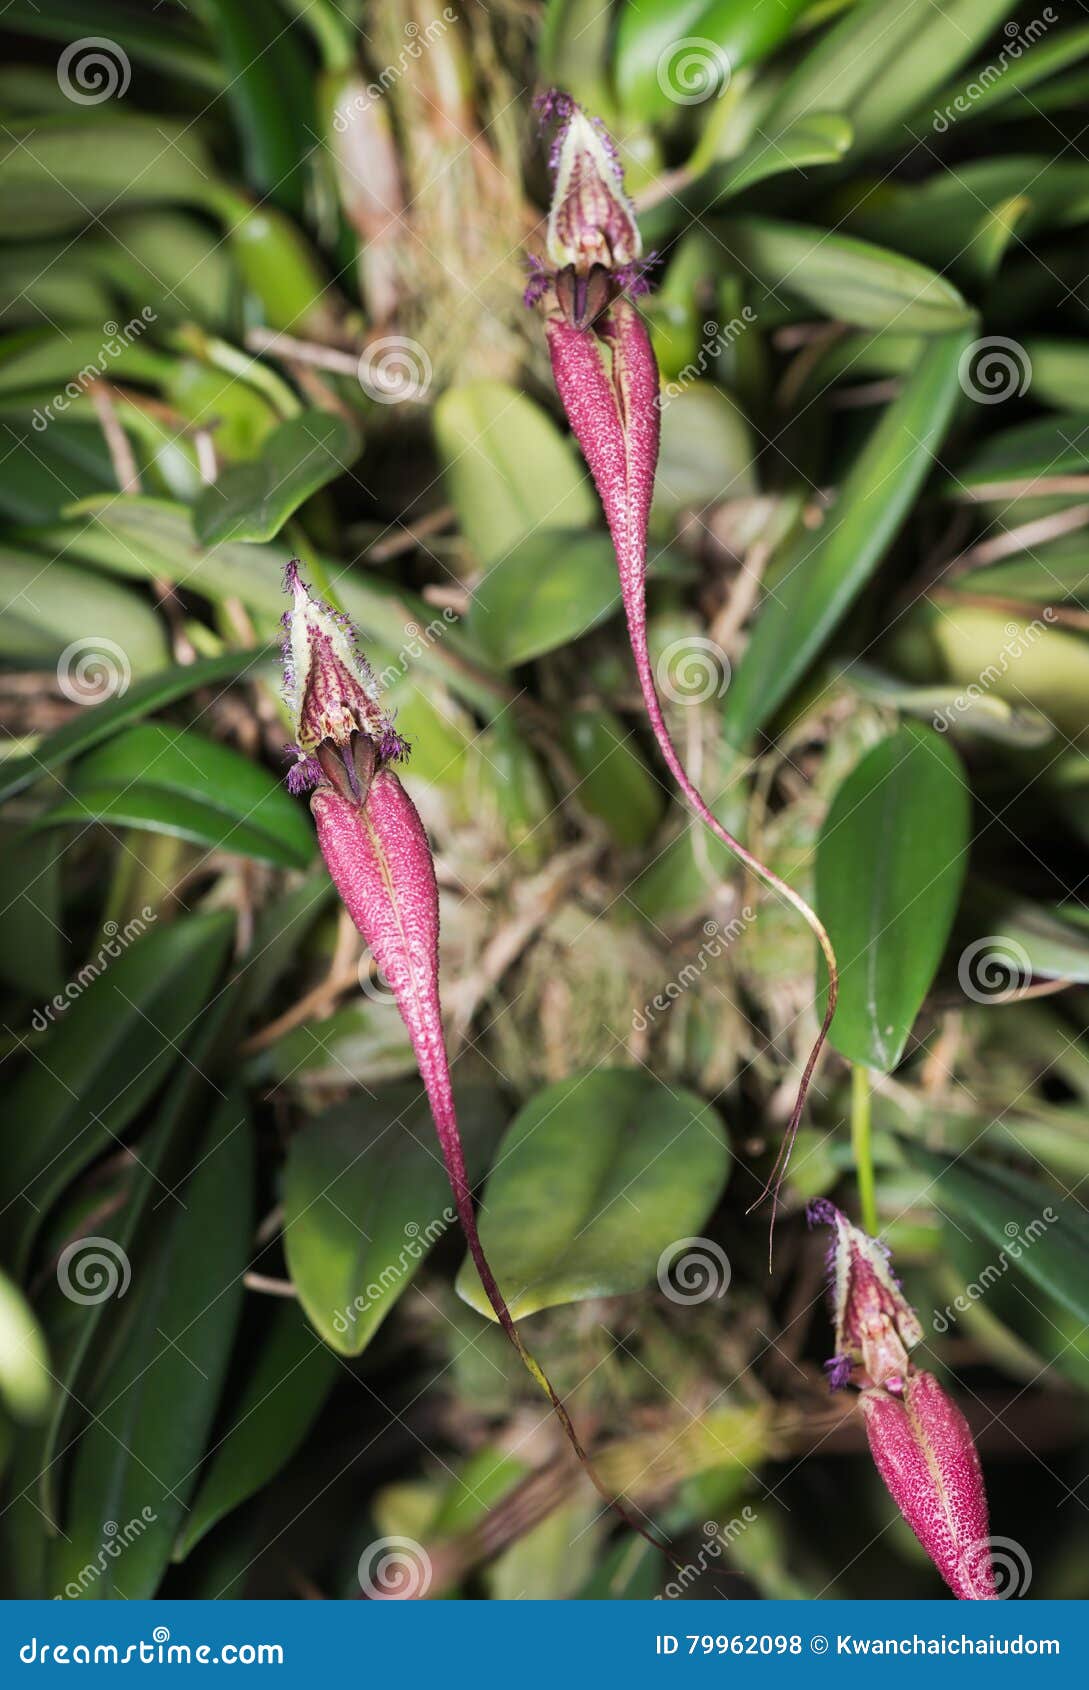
[377, 852]
[607, 378]
[920, 1441]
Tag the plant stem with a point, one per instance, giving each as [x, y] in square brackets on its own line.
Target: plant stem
[862, 1145]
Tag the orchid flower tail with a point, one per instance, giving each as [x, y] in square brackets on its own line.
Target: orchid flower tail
[608, 384]
[376, 849]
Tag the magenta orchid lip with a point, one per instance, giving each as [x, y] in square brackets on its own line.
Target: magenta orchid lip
[607, 378]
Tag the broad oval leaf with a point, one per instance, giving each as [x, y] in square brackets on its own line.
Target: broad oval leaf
[173, 781]
[890, 866]
[594, 1179]
[828, 569]
[551, 587]
[365, 1198]
[137, 1462]
[684, 51]
[508, 470]
[252, 501]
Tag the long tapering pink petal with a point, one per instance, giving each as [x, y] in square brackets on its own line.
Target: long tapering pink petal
[380, 860]
[609, 389]
[925, 1453]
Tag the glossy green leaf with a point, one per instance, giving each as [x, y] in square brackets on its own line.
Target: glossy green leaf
[252, 501]
[94, 725]
[125, 1015]
[674, 53]
[45, 358]
[817, 138]
[890, 866]
[508, 470]
[828, 569]
[850, 280]
[879, 63]
[365, 1198]
[595, 1178]
[170, 780]
[57, 174]
[165, 40]
[285, 1388]
[270, 90]
[1042, 1235]
[105, 633]
[547, 590]
[139, 1456]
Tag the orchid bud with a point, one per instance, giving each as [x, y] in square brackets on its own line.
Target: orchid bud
[920, 1440]
[875, 1325]
[923, 1449]
[341, 729]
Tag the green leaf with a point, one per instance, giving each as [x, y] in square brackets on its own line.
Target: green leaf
[850, 280]
[30, 958]
[270, 90]
[890, 866]
[137, 1461]
[975, 713]
[1059, 372]
[120, 1027]
[252, 501]
[827, 570]
[168, 42]
[820, 137]
[550, 588]
[170, 780]
[881, 62]
[673, 53]
[285, 1388]
[25, 1382]
[106, 632]
[614, 782]
[508, 470]
[42, 473]
[93, 726]
[595, 1178]
[365, 1198]
[1013, 936]
[1043, 1235]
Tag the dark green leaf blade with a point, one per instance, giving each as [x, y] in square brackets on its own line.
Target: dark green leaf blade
[252, 501]
[890, 866]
